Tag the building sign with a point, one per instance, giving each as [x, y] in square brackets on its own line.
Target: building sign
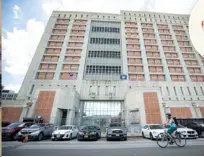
[123, 77]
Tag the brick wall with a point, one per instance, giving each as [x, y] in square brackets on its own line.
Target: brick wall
[152, 109]
[11, 114]
[202, 111]
[181, 112]
[44, 104]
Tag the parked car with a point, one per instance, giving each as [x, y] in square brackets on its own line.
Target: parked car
[152, 131]
[197, 126]
[89, 133]
[65, 132]
[5, 124]
[116, 131]
[186, 132]
[10, 132]
[36, 131]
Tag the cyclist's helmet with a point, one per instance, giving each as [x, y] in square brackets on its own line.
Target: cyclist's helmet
[168, 115]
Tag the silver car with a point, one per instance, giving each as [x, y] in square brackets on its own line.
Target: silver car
[36, 132]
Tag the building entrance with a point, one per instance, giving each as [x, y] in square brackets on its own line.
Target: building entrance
[101, 113]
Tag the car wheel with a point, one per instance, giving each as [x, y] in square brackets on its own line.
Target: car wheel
[143, 135]
[107, 139]
[70, 137]
[151, 136]
[202, 134]
[40, 137]
[14, 137]
[125, 139]
[54, 139]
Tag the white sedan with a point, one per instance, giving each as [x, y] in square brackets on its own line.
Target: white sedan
[152, 131]
[187, 132]
[65, 132]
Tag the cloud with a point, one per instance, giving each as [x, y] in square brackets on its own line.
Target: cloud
[14, 87]
[17, 12]
[19, 46]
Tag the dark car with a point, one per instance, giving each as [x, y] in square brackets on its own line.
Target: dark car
[116, 131]
[198, 127]
[5, 124]
[10, 132]
[36, 132]
[89, 133]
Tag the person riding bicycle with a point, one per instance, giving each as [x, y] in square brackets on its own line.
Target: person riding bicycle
[172, 123]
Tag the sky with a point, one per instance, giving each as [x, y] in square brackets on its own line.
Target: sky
[24, 21]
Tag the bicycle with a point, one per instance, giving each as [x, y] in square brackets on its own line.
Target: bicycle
[163, 139]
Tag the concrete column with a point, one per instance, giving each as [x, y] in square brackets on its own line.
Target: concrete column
[70, 117]
[143, 53]
[185, 70]
[162, 55]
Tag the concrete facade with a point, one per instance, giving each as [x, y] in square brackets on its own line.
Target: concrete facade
[164, 72]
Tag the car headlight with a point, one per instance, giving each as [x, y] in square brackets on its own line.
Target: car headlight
[35, 133]
[109, 131]
[19, 133]
[67, 132]
[183, 132]
[154, 132]
[80, 133]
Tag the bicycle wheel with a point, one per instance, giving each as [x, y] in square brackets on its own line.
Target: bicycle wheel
[162, 140]
[180, 139]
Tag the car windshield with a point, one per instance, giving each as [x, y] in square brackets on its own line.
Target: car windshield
[88, 128]
[115, 125]
[14, 124]
[156, 127]
[65, 128]
[36, 125]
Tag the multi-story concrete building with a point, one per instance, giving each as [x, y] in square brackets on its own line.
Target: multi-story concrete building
[94, 68]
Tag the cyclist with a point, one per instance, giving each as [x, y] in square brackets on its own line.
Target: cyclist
[172, 123]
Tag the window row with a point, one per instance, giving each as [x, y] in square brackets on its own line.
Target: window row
[189, 62]
[167, 42]
[162, 26]
[197, 78]
[154, 61]
[132, 35]
[175, 70]
[75, 44]
[55, 44]
[186, 49]
[162, 36]
[80, 27]
[135, 68]
[78, 32]
[194, 70]
[157, 77]
[184, 43]
[164, 31]
[103, 69]
[105, 29]
[50, 59]
[171, 55]
[155, 69]
[77, 38]
[71, 67]
[132, 40]
[151, 47]
[136, 77]
[134, 61]
[148, 30]
[152, 54]
[150, 41]
[59, 31]
[52, 50]
[134, 53]
[177, 27]
[62, 21]
[133, 24]
[188, 55]
[169, 48]
[68, 76]
[178, 78]
[133, 46]
[173, 62]
[181, 37]
[179, 32]
[147, 35]
[104, 41]
[104, 54]
[45, 75]
[61, 26]
[72, 59]
[57, 37]
[73, 51]
[44, 66]
[130, 29]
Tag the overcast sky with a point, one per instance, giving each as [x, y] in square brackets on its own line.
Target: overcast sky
[23, 22]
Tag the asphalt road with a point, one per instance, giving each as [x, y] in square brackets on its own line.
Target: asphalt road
[131, 147]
